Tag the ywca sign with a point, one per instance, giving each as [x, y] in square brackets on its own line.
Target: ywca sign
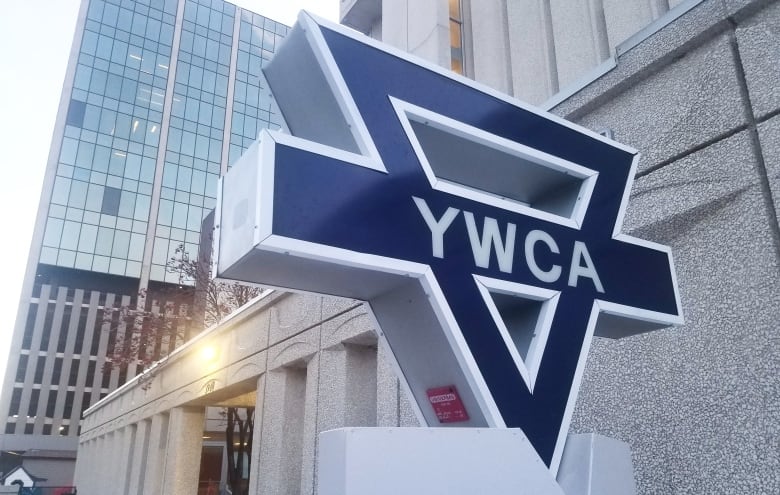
[483, 233]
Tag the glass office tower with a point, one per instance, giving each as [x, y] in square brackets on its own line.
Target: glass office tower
[160, 97]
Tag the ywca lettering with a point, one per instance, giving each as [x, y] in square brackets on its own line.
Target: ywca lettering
[581, 265]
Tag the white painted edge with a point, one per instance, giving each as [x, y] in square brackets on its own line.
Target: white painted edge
[264, 213]
[341, 93]
[560, 442]
[407, 112]
[320, 149]
[528, 368]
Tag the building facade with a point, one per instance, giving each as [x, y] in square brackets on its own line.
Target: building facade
[160, 97]
[692, 85]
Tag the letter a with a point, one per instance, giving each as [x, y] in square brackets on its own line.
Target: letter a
[577, 270]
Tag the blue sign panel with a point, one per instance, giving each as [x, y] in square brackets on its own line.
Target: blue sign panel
[484, 234]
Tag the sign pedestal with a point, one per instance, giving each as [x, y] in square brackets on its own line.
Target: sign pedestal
[465, 461]
[431, 461]
[596, 464]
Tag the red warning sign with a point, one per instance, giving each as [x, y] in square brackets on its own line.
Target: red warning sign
[447, 404]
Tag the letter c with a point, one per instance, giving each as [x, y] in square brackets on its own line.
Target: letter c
[554, 273]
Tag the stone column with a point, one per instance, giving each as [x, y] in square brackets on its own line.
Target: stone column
[532, 50]
[309, 427]
[98, 466]
[155, 458]
[333, 402]
[490, 42]
[137, 468]
[420, 27]
[580, 33]
[257, 438]
[281, 449]
[84, 462]
[126, 453]
[182, 455]
[113, 459]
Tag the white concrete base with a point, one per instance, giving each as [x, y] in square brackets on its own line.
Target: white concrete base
[431, 461]
[595, 464]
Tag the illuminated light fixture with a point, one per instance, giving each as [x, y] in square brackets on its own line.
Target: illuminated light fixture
[135, 125]
[205, 437]
[119, 153]
[162, 66]
[154, 128]
[208, 353]
[135, 56]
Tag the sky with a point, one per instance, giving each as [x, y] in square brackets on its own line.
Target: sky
[35, 41]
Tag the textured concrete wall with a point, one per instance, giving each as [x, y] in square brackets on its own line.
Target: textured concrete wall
[699, 404]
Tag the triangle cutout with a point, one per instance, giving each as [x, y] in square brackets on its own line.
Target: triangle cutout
[523, 315]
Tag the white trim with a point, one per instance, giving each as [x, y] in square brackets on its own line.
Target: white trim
[407, 112]
[340, 92]
[611, 63]
[264, 216]
[529, 367]
[579, 84]
[555, 461]
[670, 16]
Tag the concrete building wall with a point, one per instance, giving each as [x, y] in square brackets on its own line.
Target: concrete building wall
[698, 404]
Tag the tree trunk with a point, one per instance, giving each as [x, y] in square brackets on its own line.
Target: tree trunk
[238, 439]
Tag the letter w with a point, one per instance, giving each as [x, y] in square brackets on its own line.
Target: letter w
[491, 237]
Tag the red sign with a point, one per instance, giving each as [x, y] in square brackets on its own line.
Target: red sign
[447, 404]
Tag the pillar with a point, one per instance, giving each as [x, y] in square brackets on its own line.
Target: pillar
[182, 455]
[155, 459]
[137, 468]
[126, 453]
